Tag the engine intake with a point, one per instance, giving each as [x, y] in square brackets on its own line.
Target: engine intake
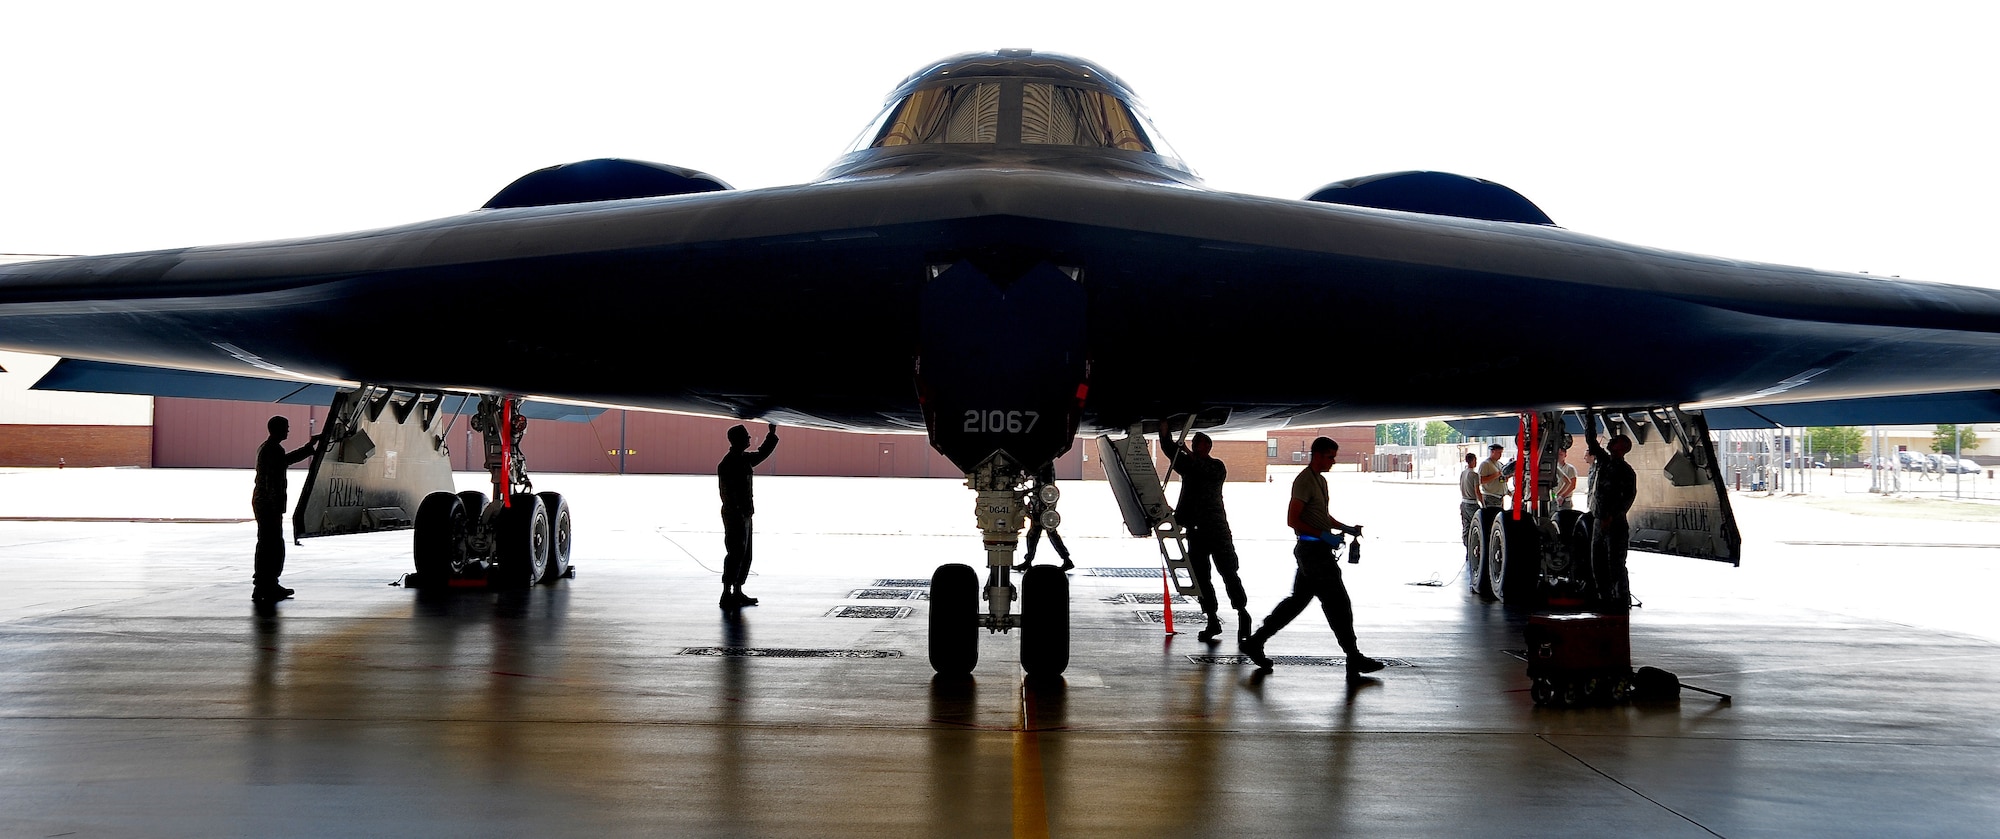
[1434, 193]
[603, 179]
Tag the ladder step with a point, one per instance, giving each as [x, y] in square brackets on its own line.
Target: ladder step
[1137, 458]
[1180, 569]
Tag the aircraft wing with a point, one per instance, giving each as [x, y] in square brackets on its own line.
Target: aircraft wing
[808, 300]
[1962, 407]
[137, 380]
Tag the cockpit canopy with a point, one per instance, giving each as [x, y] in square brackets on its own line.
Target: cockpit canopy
[1015, 100]
[969, 112]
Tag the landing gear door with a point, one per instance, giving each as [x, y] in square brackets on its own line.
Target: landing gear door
[1002, 365]
[1682, 507]
[382, 453]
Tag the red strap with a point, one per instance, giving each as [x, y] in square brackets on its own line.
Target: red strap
[506, 454]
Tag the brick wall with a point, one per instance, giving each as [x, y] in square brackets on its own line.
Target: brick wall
[212, 433]
[76, 445]
[195, 433]
[1357, 443]
[1244, 458]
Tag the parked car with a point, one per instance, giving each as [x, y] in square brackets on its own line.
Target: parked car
[1907, 461]
[1946, 464]
[1816, 464]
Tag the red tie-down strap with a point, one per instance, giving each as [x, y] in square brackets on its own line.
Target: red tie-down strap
[506, 453]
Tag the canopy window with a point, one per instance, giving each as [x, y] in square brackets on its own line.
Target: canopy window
[1070, 116]
[966, 113]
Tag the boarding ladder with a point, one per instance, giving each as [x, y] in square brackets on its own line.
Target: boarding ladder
[1134, 459]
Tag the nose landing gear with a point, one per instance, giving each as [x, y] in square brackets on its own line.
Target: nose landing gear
[1001, 509]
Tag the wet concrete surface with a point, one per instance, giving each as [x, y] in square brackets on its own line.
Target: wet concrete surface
[142, 694]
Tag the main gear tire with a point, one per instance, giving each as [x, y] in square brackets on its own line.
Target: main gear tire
[1044, 621]
[439, 548]
[954, 620]
[1514, 552]
[475, 504]
[522, 533]
[557, 566]
[1482, 578]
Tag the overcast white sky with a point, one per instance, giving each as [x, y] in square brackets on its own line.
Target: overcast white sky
[1848, 136]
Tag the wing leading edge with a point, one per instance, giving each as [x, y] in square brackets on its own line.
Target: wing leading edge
[82, 376]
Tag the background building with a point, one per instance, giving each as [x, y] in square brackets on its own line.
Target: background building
[70, 429]
[73, 429]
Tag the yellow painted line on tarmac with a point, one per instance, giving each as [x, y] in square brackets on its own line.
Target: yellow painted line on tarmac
[1031, 807]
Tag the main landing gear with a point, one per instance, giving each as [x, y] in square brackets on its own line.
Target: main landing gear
[955, 615]
[517, 539]
[1523, 554]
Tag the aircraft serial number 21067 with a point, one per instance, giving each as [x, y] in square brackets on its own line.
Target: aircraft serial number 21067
[997, 422]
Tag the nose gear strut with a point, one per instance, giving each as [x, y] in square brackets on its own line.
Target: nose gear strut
[1001, 508]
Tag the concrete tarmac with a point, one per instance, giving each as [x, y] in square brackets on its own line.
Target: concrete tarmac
[141, 694]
